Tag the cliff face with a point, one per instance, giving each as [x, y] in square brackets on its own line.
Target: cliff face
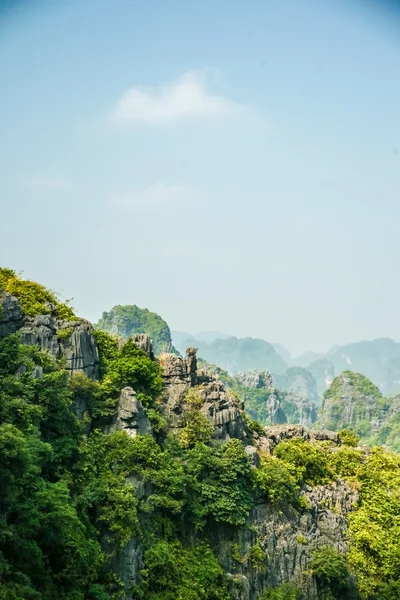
[350, 401]
[287, 540]
[71, 340]
[284, 539]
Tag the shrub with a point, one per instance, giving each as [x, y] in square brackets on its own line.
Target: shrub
[196, 425]
[276, 480]
[310, 460]
[174, 571]
[33, 297]
[331, 572]
[286, 591]
[349, 438]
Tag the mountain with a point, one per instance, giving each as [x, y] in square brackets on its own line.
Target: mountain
[178, 338]
[352, 401]
[306, 359]
[123, 476]
[127, 320]
[241, 354]
[367, 357]
[263, 401]
[183, 339]
[283, 353]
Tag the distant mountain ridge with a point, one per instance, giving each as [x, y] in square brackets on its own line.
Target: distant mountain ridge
[236, 355]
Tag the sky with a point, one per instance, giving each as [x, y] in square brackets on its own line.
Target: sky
[232, 165]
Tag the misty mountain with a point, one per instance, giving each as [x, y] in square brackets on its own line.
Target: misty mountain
[241, 354]
[283, 352]
[183, 339]
[372, 358]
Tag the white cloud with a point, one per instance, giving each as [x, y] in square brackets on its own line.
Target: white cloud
[47, 183]
[187, 98]
[158, 196]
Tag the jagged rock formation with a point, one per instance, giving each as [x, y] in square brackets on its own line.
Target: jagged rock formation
[288, 540]
[11, 317]
[274, 405]
[221, 407]
[275, 434]
[71, 340]
[131, 415]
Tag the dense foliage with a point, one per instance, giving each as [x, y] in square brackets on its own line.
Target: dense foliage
[71, 495]
[33, 297]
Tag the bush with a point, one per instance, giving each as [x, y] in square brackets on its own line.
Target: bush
[310, 460]
[349, 438]
[286, 591]
[221, 483]
[177, 572]
[196, 425]
[331, 572]
[33, 297]
[276, 480]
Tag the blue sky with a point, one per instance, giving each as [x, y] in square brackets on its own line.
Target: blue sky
[231, 165]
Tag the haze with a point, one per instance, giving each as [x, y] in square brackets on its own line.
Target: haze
[231, 165]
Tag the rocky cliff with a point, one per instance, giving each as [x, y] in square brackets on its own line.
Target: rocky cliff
[71, 340]
[285, 540]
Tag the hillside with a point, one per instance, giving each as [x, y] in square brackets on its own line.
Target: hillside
[127, 320]
[127, 477]
[371, 359]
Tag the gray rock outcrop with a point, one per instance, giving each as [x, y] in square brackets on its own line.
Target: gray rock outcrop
[130, 416]
[71, 340]
[287, 540]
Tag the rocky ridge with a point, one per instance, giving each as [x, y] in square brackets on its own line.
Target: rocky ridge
[71, 340]
[287, 539]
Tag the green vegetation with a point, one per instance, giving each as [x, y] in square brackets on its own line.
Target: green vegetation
[287, 591]
[130, 319]
[277, 479]
[375, 551]
[33, 297]
[177, 572]
[122, 366]
[331, 572]
[71, 496]
[357, 381]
